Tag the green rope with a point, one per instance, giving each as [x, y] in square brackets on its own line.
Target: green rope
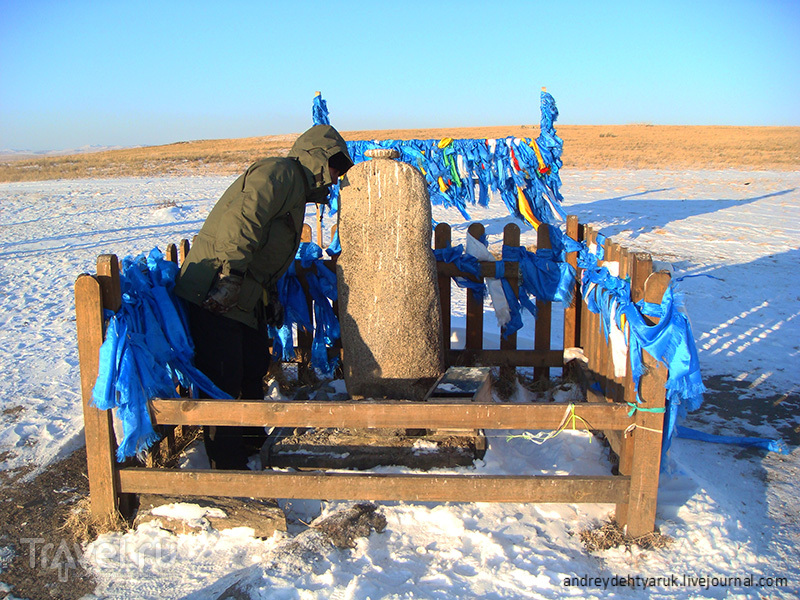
[635, 407]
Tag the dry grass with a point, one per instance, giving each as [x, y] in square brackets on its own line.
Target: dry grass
[82, 527]
[681, 147]
[611, 535]
[585, 147]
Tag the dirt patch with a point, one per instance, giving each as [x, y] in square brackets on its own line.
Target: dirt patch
[9, 476]
[42, 556]
[732, 408]
[13, 412]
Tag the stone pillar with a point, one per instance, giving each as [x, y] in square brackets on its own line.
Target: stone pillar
[388, 293]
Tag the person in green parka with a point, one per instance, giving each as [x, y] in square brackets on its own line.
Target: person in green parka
[247, 242]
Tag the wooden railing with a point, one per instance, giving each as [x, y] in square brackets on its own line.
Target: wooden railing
[636, 439]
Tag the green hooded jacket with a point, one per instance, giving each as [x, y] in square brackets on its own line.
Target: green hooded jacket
[254, 229]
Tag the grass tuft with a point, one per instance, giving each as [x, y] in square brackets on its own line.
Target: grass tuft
[611, 535]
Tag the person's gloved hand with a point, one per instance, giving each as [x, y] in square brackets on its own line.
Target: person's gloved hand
[273, 311]
[224, 295]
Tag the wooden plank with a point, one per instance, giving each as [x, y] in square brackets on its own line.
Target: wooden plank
[615, 438]
[183, 250]
[612, 255]
[488, 269]
[108, 277]
[474, 334]
[305, 338]
[511, 239]
[171, 253]
[641, 266]
[595, 331]
[601, 348]
[377, 486]
[460, 383]
[544, 309]
[319, 226]
[98, 428]
[431, 414]
[442, 239]
[586, 315]
[615, 252]
[306, 233]
[618, 387]
[515, 358]
[334, 229]
[434, 386]
[571, 312]
[457, 384]
[648, 432]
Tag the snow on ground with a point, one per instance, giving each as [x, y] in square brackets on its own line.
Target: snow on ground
[732, 513]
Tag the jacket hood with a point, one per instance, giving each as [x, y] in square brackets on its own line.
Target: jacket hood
[314, 148]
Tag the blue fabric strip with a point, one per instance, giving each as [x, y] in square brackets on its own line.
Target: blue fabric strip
[147, 351]
[770, 445]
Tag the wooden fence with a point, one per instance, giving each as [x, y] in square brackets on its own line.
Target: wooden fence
[636, 439]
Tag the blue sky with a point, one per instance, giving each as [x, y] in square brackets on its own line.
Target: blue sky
[75, 73]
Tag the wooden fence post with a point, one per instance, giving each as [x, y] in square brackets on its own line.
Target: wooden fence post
[108, 277]
[648, 432]
[474, 334]
[98, 428]
[619, 382]
[305, 339]
[319, 226]
[543, 327]
[601, 347]
[613, 255]
[592, 346]
[641, 266]
[183, 250]
[91, 296]
[511, 239]
[442, 239]
[572, 312]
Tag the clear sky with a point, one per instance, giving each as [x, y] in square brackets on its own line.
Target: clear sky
[75, 73]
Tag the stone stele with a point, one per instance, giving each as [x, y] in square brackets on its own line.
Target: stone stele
[388, 292]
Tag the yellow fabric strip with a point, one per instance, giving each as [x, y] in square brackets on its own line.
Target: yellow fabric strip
[525, 209]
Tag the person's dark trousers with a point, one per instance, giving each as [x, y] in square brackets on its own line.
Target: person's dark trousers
[236, 358]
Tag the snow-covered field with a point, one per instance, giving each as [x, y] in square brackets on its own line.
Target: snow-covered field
[733, 514]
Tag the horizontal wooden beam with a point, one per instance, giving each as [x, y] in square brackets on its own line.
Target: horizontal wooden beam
[507, 358]
[376, 486]
[451, 413]
[489, 358]
[488, 269]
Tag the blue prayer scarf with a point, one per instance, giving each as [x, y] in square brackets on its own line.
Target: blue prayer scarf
[147, 351]
[323, 290]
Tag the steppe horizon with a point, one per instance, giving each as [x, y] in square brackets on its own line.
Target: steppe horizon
[632, 146]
